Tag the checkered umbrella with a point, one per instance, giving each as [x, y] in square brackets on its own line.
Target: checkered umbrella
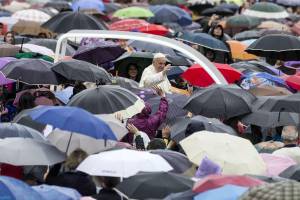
[31, 15]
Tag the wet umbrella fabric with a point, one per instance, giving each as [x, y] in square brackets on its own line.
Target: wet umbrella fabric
[186, 195]
[3, 62]
[8, 50]
[8, 130]
[88, 4]
[23, 118]
[293, 172]
[288, 103]
[50, 192]
[51, 44]
[153, 48]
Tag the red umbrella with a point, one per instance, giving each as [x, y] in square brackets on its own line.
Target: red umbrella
[154, 29]
[216, 181]
[196, 75]
[127, 24]
[293, 81]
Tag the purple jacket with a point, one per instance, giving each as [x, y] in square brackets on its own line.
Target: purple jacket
[148, 123]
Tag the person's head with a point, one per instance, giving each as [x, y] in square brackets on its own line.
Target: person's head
[9, 37]
[210, 55]
[26, 101]
[159, 62]
[132, 71]
[156, 143]
[42, 35]
[75, 158]
[78, 87]
[217, 31]
[123, 43]
[107, 182]
[289, 135]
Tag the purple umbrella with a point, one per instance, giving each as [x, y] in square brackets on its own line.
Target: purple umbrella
[3, 62]
[99, 53]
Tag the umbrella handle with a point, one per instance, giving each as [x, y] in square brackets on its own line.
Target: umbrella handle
[69, 143]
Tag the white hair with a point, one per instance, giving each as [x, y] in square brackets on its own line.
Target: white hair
[289, 133]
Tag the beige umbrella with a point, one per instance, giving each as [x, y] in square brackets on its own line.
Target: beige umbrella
[235, 155]
[274, 26]
[30, 28]
[268, 90]
[7, 50]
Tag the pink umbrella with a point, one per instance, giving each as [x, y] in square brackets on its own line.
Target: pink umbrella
[276, 164]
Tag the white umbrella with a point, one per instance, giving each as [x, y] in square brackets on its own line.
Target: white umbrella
[235, 155]
[60, 139]
[36, 49]
[16, 6]
[123, 163]
[31, 15]
[116, 126]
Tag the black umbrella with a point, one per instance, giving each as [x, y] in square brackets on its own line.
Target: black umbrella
[18, 130]
[24, 119]
[51, 44]
[126, 83]
[150, 47]
[104, 99]
[269, 119]
[218, 11]
[290, 103]
[154, 185]
[78, 70]
[31, 71]
[59, 5]
[181, 126]
[220, 101]
[293, 172]
[99, 53]
[276, 46]
[255, 66]
[186, 195]
[66, 21]
[112, 7]
[247, 35]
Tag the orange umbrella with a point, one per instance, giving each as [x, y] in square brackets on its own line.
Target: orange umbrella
[238, 51]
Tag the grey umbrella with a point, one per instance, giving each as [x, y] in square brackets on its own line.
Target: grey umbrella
[186, 195]
[293, 172]
[79, 70]
[269, 119]
[197, 123]
[51, 44]
[220, 101]
[26, 151]
[104, 99]
[289, 103]
[17, 130]
[24, 119]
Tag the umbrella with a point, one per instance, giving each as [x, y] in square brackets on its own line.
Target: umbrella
[27, 151]
[227, 191]
[34, 55]
[51, 44]
[23, 118]
[276, 163]
[286, 47]
[29, 28]
[127, 25]
[3, 62]
[242, 21]
[268, 146]
[88, 4]
[238, 51]
[169, 2]
[292, 172]
[269, 119]
[170, 14]
[292, 3]
[123, 163]
[266, 10]
[186, 195]
[230, 154]
[116, 126]
[66, 21]
[64, 95]
[133, 12]
[31, 15]
[292, 152]
[256, 66]
[218, 11]
[245, 35]
[150, 47]
[178, 161]
[197, 75]
[78, 70]
[36, 49]
[216, 181]
[281, 190]
[8, 130]
[8, 50]
[289, 103]
[15, 189]
[154, 185]
[293, 81]
[220, 102]
[66, 118]
[205, 40]
[58, 5]
[153, 29]
[99, 53]
[50, 192]
[176, 71]
[282, 28]
[268, 90]
[112, 7]
[197, 123]
[15, 6]
[30, 71]
[113, 97]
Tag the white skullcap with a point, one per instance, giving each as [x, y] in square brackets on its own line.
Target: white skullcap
[159, 55]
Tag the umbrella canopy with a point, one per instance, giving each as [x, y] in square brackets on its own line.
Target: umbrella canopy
[133, 12]
[217, 181]
[186, 195]
[23, 118]
[176, 71]
[169, 2]
[293, 81]
[170, 14]
[286, 47]
[66, 21]
[246, 35]
[27, 151]
[123, 163]
[88, 4]
[15, 6]
[31, 15]
[153, 29]
[150, 47]
[29, 28]
[271, 25]
[269, 90]
[288, 103]
[242, 21]
[8, 50]
[127, 24]
[99, 53]
[8, 130]
[288, 2]
[238, 51]
[269, 119]
[31, 71]
[36, 49]
[12, 188]
[220, 102]
[66, 118]
[230, 154]
[78, 70]
[230, 191]
[292, 172]
[112, 7]
[116, 126]
[266, 10]
[154, 185]
[50, 192]
[197, 75]
[51, 44]
[205, 40]
[3, 62]
[182, 125]
[58, 5]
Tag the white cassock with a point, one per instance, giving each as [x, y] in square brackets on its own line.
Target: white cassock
[151, 78]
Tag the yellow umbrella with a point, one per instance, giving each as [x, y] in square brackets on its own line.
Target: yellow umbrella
[235, 155]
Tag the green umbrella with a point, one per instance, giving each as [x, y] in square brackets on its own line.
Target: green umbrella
[133, 12]
[266, 10]
[242, 21]
[34, 55]
[170, 2]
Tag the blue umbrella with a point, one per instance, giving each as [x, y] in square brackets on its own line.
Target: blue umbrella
[13, 189]
[51, 192]
[170, 14]
[176, 71]
[74, 120]
[288, 2]
[268, 79]
[227, 192]
[88, 4]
